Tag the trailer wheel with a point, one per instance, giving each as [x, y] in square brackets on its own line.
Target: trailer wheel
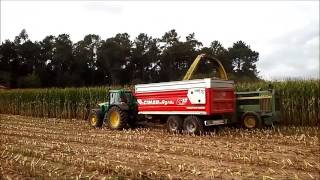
[174, 124]
[251, 121]
[95, 118]
[193, 125]
[117, 119]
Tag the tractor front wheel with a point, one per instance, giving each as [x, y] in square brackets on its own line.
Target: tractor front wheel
[95, 118]
[117, 119]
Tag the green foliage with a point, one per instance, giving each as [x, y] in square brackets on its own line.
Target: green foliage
[243, 60]
[145, 54]
[58, 62]
[4, 78]
[31, 80]
[298, 100]
[218, 51]
[113, 57]
[177, 56]
[53, 102]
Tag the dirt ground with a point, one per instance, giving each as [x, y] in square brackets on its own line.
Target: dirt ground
[34, 148]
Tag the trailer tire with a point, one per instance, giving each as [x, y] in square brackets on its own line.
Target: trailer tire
[193, 125]
[95, 118]
[117, 119]
[174, 123]
[251, 121]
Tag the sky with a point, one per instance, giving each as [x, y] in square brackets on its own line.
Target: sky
[285, 33]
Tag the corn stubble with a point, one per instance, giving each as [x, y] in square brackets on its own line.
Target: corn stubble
[66, 149]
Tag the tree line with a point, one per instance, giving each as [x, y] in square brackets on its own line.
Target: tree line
[58, 62]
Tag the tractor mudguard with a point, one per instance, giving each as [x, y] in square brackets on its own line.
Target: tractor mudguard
[104, 107]
[123, 107]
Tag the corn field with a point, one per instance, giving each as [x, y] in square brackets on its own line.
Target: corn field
[60, 103]
[298, 101]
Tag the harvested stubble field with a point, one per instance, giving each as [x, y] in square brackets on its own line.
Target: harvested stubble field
[69, 149]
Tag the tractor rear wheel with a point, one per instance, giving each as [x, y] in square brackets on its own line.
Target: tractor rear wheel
[174, 123]
[117, 119]
[251, 121]
[95, 118]
[193, 125]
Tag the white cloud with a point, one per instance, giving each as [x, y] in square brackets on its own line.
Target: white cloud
[286, 33]
[295, 54]
[100, 6]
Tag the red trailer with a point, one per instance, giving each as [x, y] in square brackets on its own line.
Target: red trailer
[188, 105]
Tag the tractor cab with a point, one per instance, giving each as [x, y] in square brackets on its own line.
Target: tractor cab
[121, 97]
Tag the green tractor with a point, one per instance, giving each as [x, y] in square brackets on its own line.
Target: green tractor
[118, 112]
[256, 109]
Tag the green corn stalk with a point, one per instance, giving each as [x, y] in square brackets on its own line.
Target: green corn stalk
[299, 100]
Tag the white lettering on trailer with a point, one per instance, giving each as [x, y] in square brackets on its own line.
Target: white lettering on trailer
[197, 95]
[182, 101]
[154, 101]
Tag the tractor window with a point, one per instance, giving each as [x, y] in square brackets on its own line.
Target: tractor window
[118, 97]
[114, 98]
[123, 98]
[129, 96]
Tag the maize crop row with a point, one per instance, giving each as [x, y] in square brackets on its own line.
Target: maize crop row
[298, 101]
